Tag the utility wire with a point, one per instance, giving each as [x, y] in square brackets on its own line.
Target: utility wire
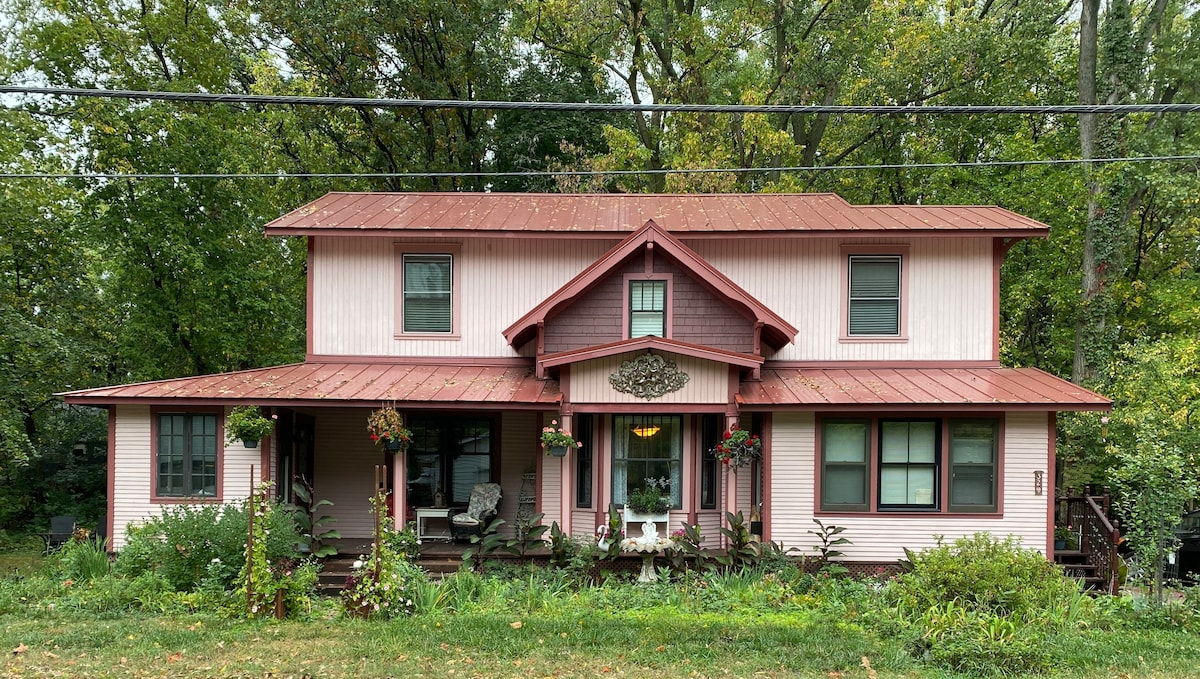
[261, 99]
[571, 173]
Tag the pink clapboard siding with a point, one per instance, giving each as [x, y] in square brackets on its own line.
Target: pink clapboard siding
[877, 538]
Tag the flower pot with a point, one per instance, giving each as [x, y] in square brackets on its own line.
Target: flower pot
[1060, 544]
[393, 446]
[250, 443]
[557, 451]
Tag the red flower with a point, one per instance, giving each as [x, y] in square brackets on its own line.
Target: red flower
[728, 434]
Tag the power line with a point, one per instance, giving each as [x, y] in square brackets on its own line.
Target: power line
[571, 173]
[599, 107]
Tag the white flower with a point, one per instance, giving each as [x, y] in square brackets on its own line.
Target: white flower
[357, 564]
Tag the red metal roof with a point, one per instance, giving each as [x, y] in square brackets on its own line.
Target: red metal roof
[343, 384]
[966, 388]
[599, 215]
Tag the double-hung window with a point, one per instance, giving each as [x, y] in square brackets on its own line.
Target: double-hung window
[908, 465]
[873, 307]
[647, 308]
[885, 464]
[186, 455]
[428, 296]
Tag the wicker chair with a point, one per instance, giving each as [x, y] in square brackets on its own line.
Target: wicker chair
[481, 508]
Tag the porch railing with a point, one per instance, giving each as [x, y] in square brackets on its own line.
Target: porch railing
[1099, 535]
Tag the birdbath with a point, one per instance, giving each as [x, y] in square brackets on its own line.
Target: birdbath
[649, 545]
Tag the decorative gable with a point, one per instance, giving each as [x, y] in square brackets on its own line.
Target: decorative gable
[651, 282]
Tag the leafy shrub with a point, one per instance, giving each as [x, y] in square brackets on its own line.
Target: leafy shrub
[986, 574]
[183, 543]
[984, 605]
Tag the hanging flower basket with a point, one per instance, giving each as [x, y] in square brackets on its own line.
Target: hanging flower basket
[738, 448]
[557, 442]
[249, 425]
[387, 427]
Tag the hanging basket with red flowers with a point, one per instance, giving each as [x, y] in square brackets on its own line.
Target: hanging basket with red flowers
[386, 426]
[738, 447]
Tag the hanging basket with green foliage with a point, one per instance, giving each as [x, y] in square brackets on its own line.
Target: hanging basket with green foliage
[386, 426]
[249, 425]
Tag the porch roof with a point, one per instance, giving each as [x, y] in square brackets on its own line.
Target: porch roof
[616, 215]
[343, 383]
[966, 388]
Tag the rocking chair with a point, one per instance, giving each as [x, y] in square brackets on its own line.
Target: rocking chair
[481, 508]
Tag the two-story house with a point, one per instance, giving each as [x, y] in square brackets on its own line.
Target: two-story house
[860, 342]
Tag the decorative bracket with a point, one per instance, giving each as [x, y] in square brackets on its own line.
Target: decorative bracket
[648, 376]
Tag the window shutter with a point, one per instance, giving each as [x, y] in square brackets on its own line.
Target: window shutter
[427, 293]
[874, 296]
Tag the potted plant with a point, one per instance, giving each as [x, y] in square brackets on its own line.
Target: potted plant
[556, 442]
[248, 424]
[386, 426]
[738, 447]
[650, 503]
[1065, 538]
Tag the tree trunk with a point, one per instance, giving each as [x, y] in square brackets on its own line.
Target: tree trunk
[1082, 369]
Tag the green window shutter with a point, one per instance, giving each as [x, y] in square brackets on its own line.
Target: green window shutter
[428, 297]
[647, 308]
[874, 305]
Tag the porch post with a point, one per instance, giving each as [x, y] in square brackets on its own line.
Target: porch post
[399, 488]
[731, 478]
[567, 471]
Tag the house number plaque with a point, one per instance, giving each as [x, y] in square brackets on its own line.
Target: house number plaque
[648, 376]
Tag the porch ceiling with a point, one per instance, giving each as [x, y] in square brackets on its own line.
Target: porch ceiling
[342, 383]
[910, 388]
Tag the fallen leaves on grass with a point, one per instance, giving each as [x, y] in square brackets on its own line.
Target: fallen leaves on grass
[21, 648]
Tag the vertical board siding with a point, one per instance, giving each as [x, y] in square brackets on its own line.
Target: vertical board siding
[344, 469]
[881, 538]
[949, 308]
[354, 280]
[518, 454]
[708, 381]
[949, 303]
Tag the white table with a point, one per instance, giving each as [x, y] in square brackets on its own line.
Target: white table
[426, 513]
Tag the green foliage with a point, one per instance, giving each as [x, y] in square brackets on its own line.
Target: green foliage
[312, 521]
[84, 559]
[563, 547]
[652, 498]
[183, 544]
[827, 549]
[247, 423]
[984, 605]
[741, 549]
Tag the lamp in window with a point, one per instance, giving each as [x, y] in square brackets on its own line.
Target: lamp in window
[646, 431]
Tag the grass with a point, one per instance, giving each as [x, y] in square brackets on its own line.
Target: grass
[530, 624]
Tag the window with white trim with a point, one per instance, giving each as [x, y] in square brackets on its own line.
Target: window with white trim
[874, 296]
[185, 456]
[428, 295]
[647, 308]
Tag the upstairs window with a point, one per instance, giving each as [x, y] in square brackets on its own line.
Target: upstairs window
[647, 308]
[874, 303]
[428, 296]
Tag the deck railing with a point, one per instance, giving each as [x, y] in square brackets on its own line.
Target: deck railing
[1099, 536]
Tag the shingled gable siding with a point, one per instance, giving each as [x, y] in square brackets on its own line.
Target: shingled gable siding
[698, 316]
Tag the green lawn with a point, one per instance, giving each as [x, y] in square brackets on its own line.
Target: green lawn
[654, 642]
